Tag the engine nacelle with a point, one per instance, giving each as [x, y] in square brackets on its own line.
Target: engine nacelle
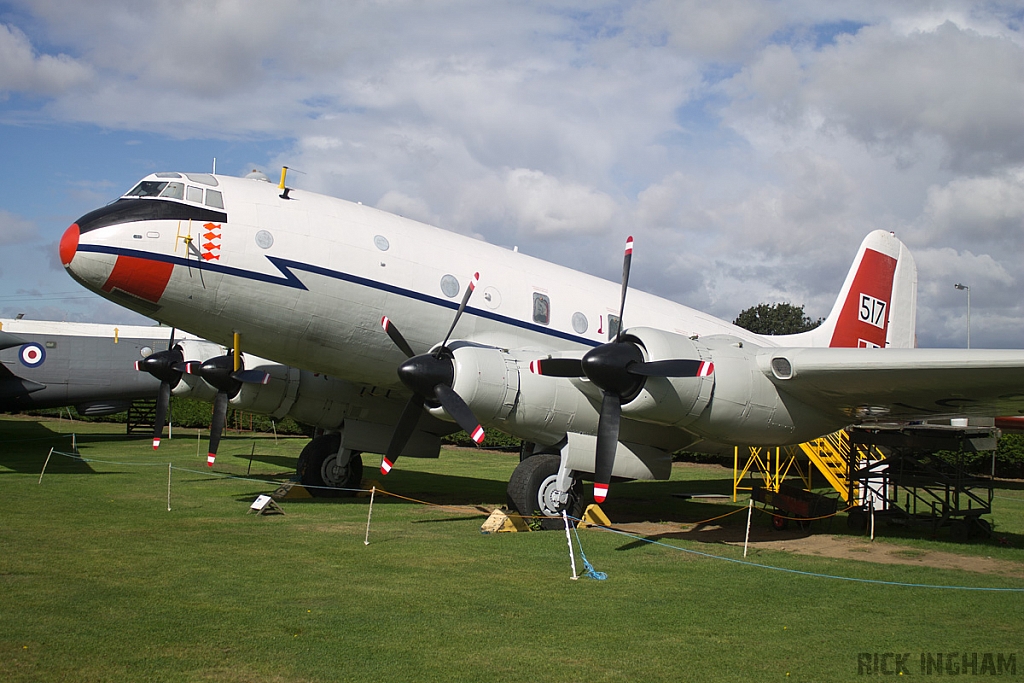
[747, 408]
[500, 390]
[193, 386]
[672, 401]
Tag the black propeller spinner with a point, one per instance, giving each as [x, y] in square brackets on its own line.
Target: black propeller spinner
[161, 365]
[219, 372]
[618, 369]
[429, 376]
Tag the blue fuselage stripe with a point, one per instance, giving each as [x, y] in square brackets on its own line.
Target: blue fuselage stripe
[289, 279]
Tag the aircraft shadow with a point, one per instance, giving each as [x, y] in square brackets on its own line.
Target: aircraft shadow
[25, 444]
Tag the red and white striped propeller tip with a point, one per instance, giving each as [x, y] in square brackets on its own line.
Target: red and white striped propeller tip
[156, 443]
[210, 458]
[478, 434]
[385, 466]
[629, 244]
[475, 281]
[600, 492]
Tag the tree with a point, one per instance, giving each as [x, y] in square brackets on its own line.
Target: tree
[775, 319]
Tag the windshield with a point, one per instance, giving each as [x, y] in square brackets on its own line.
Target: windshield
[147, 188]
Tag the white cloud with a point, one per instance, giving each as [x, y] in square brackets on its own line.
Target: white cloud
[16, 230]
[748, 146]
[25, 71]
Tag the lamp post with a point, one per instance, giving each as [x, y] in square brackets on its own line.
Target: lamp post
[968, 290]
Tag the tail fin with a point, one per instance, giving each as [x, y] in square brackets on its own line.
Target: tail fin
[877, 306]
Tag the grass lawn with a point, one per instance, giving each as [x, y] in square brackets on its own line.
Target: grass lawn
[100, 582]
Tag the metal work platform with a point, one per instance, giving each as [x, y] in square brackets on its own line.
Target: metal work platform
[141, 415]
[913, 486]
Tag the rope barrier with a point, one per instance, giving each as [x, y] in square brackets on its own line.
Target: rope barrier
[806, 573]
[590, 571]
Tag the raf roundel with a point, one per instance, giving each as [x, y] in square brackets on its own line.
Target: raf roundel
[32, 355]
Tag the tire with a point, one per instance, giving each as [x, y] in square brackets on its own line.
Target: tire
[316, 468]
[530, 486]
[960, 530]
[779, 523]
[981, 528]
[857, 520]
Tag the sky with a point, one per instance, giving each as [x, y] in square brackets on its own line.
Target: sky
[747, 146]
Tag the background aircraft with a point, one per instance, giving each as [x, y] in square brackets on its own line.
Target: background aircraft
[50, 364]
[311, 281]
[47, 364]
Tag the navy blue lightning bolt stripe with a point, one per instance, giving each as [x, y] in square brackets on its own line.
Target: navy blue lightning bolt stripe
[288, 278]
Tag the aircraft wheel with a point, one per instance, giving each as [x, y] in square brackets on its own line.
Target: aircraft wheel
[779, 523]
[318, 467]
[531, 491]
[981, 527]
[857, 520]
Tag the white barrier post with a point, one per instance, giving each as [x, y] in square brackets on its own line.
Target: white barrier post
[568, 540]
[746, 539]
[74, 443]
[45, 464]
[366, 541]
[168, 487]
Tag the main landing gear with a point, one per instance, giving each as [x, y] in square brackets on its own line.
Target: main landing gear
[539, 486]
[328, 470]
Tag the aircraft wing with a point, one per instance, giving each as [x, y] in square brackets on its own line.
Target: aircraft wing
[11, 385]
[903, 384]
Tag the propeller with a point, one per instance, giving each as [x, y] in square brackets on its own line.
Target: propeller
[429, 376]
[161, 365]
[220, 374]
[618, 369]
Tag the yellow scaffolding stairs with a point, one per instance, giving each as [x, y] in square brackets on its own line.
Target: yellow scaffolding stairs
[830, 454]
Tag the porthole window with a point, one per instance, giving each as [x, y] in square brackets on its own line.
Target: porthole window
[541, 308]
[450, 286]
[381, 242]
[264, 240]
[579, 322]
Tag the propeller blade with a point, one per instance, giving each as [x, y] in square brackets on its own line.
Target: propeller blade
[672, 368]
[251, 376]
[403, 432]
[163, 399]
[607, 442]
[396, 336]
[462, 306]
[557, 367]
[459, 411]
[220, 413]
[627, 259]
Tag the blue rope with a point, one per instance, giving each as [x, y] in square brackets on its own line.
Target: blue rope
[590, 571]
[803, 573]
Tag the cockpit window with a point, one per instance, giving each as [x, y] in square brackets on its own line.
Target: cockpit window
[167, 174]
[202, 178]
[214, 199]
[147, 188]
[174, 191]
[195, 194]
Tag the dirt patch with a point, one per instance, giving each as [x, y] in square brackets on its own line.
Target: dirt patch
[827, 545]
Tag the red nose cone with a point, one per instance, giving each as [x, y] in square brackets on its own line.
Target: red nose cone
[69, 244]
